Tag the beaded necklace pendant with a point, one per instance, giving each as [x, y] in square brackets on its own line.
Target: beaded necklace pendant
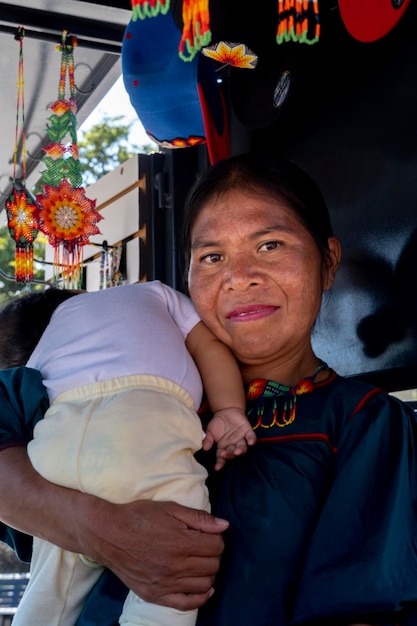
[266, 394]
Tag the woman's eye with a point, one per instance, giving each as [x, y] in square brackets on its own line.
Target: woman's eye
[270, 245]
[211, 258]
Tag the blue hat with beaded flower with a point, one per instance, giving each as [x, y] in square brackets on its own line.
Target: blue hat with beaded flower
[179, 103]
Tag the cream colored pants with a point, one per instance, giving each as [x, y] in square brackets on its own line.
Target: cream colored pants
[124, 439]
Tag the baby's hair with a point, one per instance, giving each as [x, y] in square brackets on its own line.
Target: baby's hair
[22, 322]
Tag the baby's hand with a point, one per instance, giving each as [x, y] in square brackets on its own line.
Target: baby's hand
[232, 432]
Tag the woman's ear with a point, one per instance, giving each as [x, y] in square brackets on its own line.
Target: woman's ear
[333, 260]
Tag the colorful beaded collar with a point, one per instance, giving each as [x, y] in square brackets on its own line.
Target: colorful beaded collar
[269, 392]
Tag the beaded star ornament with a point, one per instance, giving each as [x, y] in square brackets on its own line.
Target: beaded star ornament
[66, 215]
[21, 209]
[233, 54]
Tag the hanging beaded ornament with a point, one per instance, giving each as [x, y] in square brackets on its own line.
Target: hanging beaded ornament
[196, 30]
[142, 9]
[66, 215]
[110, 273]
[196, 22]
[22, 212]
[298, 20]
[267, 396]
[116, 276]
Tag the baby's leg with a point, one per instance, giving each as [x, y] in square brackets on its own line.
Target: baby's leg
[136, 612]
[123, 442]
[58, 585]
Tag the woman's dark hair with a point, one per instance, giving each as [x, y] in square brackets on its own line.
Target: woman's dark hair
[254, 173]
[23, 321]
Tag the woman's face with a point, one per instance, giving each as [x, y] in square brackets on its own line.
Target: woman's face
[256, 276]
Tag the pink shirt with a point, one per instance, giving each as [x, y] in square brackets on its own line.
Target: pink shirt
[120, 331]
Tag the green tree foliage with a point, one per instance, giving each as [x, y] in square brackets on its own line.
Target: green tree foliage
[105, 146]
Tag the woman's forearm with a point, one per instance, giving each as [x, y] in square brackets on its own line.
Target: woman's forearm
[166, 553]
[35, 506]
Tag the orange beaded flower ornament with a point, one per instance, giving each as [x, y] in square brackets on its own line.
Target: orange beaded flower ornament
[66, 215]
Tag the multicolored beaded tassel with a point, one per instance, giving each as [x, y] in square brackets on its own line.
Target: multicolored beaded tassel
[267, 392]
[21, 209]
[196, 31]
[110, 273]
[298, 20]
[141, 9]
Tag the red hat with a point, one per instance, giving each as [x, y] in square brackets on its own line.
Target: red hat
[369, 20]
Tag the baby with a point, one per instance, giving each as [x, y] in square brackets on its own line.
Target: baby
[123, 370]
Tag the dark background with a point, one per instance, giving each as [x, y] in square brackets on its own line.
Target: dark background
[350, 119]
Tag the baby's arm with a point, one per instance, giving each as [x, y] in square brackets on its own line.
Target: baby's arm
[222, 381]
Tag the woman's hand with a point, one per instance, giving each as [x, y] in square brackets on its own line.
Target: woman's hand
[166, 553]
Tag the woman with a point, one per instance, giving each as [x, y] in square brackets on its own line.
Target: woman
[321, 510]
[315, 507]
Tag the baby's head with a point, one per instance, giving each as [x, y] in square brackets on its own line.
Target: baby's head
[22, 322]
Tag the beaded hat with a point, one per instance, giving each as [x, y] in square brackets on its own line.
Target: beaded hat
[162, 88]
[259, 96]
[178, 102]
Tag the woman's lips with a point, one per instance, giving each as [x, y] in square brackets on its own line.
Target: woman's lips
[249, 314]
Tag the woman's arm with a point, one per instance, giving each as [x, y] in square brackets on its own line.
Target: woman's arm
[166, 553]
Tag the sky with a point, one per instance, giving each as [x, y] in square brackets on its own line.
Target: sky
[117, 102]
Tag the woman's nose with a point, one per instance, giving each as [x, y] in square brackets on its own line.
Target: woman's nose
[241, 272]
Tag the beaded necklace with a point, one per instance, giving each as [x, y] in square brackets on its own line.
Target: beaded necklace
[266, 394]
